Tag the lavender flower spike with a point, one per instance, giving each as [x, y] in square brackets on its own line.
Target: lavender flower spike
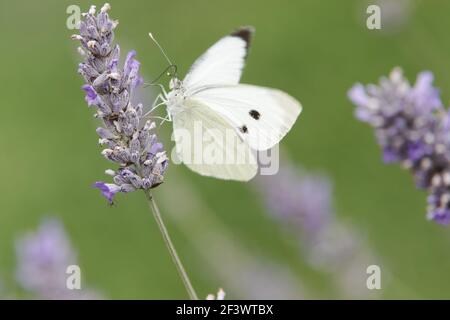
[413, 129]
[129, 141]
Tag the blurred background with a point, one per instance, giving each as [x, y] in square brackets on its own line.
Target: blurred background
[228, 234]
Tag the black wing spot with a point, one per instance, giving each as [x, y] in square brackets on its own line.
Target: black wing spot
[244, 129]
[255, 114]
[245, 33]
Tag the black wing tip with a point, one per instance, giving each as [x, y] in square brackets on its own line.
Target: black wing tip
[245, 33]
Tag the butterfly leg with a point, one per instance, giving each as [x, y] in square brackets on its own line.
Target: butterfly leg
[164, 99]
[163, 93]
[167, 118]
[155, 105]
[159, 118]
[158, 98]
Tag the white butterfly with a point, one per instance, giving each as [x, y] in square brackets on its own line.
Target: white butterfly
[211, 99]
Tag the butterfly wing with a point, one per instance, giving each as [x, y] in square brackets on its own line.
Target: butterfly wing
[261, 116]
[210, 146]
[222, 63]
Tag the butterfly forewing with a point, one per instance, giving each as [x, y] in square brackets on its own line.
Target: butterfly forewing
[221, 64]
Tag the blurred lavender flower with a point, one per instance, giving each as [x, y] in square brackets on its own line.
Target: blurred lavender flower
[128, 139]
[303, 203]
[43, 257]
[308, 208]
[413, 129]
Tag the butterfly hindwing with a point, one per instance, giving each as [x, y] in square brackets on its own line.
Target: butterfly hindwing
[261, 116]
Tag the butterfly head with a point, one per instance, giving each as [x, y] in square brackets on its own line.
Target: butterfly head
[175, 83]
[176, 96]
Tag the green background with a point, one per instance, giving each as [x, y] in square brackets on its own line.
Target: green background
[315, 50]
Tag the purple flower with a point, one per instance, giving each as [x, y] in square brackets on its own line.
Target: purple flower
[425, 96]
[43, 257]
[128, 139]
[131, 70]
[389, 155]
[91, 95]
[416, 150]
[441, 216]
[108, 190]
[358, 95]
[412, 128]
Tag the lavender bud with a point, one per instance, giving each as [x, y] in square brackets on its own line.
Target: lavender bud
[119, 100]
[122, 155]
[110, 172]
[105, 133]
[92, 10]
[127, 188]
[106, 7]
[101, 84]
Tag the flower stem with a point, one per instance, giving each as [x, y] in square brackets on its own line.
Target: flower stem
[170, 246]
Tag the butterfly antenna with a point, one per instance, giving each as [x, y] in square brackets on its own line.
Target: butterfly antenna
[166, 71]
[160, 48]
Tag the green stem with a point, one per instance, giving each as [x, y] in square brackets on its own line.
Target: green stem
[170, 246]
